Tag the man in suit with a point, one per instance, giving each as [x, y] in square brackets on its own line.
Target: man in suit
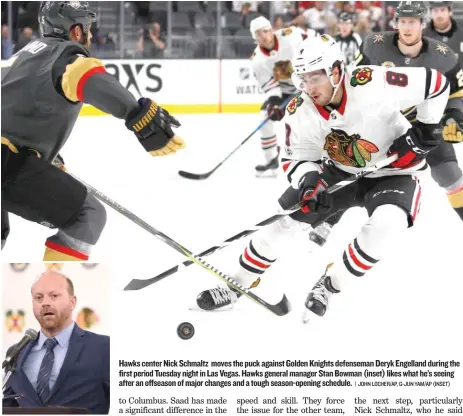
[65, 366]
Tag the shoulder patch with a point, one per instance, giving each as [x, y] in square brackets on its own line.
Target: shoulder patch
[378, 38]
[443, 49]
[294, 104]
[361, 76]
[287, 31]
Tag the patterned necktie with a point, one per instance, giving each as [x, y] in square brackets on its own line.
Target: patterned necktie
[43, 379]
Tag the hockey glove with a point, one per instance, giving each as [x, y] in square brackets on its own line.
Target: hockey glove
[272, 105]
[412, 147]
[152, 126]
[453, 126]
[311, 193]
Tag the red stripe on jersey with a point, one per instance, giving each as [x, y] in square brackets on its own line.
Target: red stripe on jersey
[356, 261]
[455, 191]
[84, 78]
[438, 82]
[253, 261]
[66, 250]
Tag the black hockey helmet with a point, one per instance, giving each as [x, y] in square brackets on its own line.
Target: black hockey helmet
[56, 18]
[347, 17]
[411, 9]
[440, 4]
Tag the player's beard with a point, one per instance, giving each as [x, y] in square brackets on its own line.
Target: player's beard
[53, 321]
[442, 24]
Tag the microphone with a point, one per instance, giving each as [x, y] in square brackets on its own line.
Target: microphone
[30, 335]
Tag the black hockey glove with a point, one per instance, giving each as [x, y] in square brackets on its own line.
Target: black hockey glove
[272, 105]
[452, 123]
[152, 126]
[311, 193]
[413, 146]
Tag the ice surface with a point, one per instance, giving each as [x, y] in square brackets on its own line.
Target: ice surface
[416, 287]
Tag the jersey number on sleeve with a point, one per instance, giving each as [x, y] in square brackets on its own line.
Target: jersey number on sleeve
[397, 79]
[460, 78]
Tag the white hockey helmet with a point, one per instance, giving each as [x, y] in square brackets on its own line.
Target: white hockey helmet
[259, 23]
[316, 53]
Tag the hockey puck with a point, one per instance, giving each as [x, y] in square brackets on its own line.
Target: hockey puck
[185, 330]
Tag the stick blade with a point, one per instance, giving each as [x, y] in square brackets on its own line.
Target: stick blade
[194, 176]
[137, 284]
[282, 308]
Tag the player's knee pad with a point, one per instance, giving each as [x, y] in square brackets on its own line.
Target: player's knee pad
[447, 174]
[387, 223]
[78, 237]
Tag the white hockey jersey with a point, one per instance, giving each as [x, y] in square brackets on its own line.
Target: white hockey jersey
[273, 69]
[360, 131]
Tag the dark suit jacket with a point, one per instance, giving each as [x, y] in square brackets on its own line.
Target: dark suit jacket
[83, 380]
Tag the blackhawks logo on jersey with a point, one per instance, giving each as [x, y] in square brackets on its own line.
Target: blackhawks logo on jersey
[349, 150]
[287, 31]
[361, 76]
[294, 104]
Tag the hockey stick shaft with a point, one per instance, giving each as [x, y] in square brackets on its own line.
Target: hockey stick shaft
[281, 308]
[351, 179]
[190, 175]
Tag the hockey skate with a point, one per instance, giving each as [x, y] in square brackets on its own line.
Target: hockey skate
[317, 300]
[269, 169]
[219, 298]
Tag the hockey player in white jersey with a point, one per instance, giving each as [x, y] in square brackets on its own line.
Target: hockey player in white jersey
[271, 63]
[352, 117]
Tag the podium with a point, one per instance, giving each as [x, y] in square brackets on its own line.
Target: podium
[52, 410]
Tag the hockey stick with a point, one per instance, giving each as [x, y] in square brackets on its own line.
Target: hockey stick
[200, 176]
[142, 283]
[280, 309]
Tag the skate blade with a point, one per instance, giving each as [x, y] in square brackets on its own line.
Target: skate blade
[196, 308]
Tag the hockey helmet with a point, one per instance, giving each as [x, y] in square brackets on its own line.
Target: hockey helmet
[440, 4]
[56, 18]
[316, 53]
[411, 9]
[347, 17]
[259, 23]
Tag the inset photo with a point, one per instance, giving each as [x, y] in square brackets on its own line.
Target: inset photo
[56, 337]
